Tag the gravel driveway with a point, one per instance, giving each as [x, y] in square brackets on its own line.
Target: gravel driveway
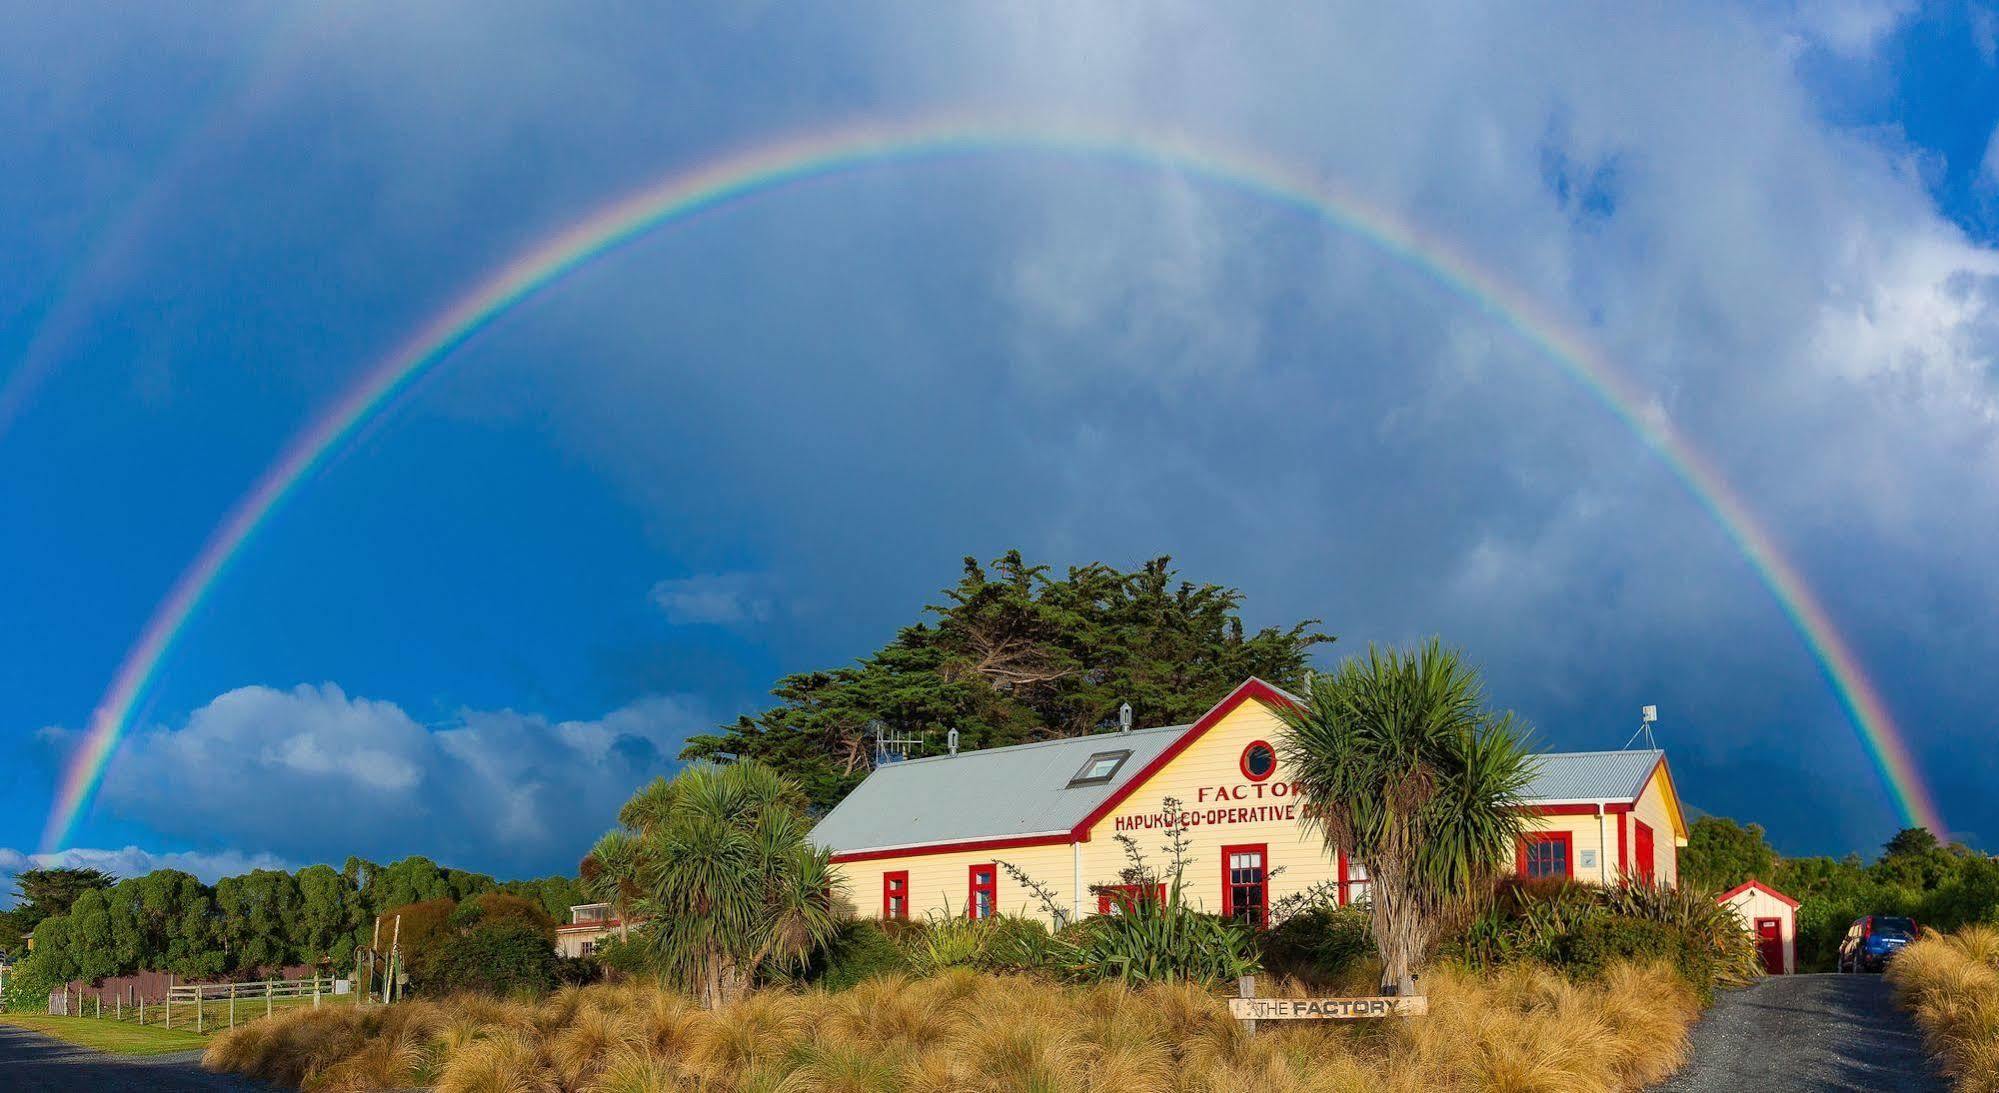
[1807, 1032]
[33, 1063]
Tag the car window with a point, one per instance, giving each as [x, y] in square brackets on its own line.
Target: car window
[1895, 927]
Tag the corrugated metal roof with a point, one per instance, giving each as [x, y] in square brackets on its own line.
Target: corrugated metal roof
[1591, 775]
[1023, 791]
[994, 793]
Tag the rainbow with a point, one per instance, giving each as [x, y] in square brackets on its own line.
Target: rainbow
[784, 163]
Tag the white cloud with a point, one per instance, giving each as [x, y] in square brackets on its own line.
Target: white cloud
[714, 598]
[131, 861]
[1988, 167]
[312, 773]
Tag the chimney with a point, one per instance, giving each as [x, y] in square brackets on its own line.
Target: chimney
[1124, 718]
[951, 741]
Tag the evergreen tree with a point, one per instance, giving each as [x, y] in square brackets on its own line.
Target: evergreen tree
[1721, 854]
[1016, 654]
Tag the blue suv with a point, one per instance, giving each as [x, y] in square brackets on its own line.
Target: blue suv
[1873, 940]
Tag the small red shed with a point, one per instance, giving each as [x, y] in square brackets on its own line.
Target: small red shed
[1772, 918]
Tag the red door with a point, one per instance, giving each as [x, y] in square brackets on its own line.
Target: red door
[1770, 940]
[1646, 860]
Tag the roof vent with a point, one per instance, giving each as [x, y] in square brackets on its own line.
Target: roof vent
[951, 741]
[1124, 718]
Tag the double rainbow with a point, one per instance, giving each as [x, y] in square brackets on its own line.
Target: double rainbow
[777, 165]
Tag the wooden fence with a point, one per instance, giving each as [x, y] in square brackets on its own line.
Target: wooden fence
[203, 1007]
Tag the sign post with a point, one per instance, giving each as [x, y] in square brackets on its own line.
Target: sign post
[1249, 1009]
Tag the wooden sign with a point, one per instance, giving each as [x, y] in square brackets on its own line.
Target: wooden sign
[1326, 1009]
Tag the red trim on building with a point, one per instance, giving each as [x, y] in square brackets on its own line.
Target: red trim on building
[1760, 887]
[1243, 762]
[946, 848]
[1566, 838]
[1646, 849]
[1623, 855]
[895, 884]
[1610, 808]
[976, 885]
[1262, 852]
[1344, 897]
[1250, 688]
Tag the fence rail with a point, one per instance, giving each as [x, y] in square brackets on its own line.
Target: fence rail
[203, 1007]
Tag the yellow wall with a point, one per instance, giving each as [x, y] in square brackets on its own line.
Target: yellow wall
[1657, 809]
[940, 884]
[1223, 808]
[1585, 836]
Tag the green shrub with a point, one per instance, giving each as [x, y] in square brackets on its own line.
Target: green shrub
[861, 950]
[1319, 943]
[506, 957]
[1583, 928]
[29, 984]
[1602, 940]
[1156, 941]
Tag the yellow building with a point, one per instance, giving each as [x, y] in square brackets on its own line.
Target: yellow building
[934, 836]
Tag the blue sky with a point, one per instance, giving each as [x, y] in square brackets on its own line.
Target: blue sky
[759, 441]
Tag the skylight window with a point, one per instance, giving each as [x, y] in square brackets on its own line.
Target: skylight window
[1102, 767]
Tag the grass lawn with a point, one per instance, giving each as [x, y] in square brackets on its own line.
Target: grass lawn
[116, 1037]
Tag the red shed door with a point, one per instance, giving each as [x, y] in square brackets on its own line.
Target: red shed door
[1770, 939]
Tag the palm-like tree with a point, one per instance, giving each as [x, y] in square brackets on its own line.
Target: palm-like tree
[1405, 769]
[729, 884]
[610, 874]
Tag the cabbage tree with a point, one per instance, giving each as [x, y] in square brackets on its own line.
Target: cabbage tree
[1405, 769]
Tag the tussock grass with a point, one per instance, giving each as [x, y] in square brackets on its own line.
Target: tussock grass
[1951, 983]
[1521, 1029]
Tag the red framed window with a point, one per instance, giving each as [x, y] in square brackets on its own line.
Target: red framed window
[1246, 883]
[1112, 899]
[895, 894]
[1547, 854]
[1259, 760]
[983, 899]
[1642, 839]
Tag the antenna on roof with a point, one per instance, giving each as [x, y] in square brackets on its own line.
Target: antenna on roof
[891, 749]
[1124, 718]
[1646, 716]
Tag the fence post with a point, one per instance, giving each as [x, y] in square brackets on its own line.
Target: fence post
[198, 1007]
[315, 988]
[142, 1011]
[1246, 988]
[269, 986]
[232, 1004]
[100, 1005]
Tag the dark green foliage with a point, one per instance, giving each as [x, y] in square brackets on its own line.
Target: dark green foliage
[1318, 944]
[1599, 941]
[1944, 887]
[418, 932]
[861, 950]
[1584, 927]
[503, 956]
[556, 895]
[46, 893]
[251, 924]
[1721, 854]
[1016, 655]
[489, 908]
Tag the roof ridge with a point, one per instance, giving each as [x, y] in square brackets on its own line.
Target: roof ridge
[1034, 744]
[1604, 751]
